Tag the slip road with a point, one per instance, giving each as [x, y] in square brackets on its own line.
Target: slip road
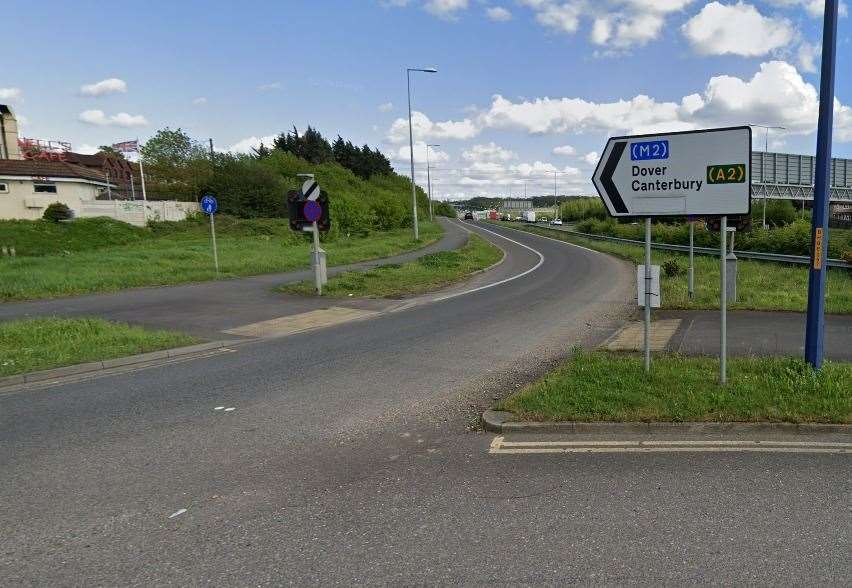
[661, 185]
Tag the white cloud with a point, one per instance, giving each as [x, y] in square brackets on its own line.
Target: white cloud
[269, 87]
[737, 29]
[104, 87]
[425, 129]
[403, 154]
[122, 119]
[565, 150]
[445, 8]
[498, 14]
[591, 158]
[386, 107]
[246, 145]
[807, 56]
[86, 149]
[200, 101]
[618, 24]
[488, 152]
[776, 92]
[10, 94]
[814, 8]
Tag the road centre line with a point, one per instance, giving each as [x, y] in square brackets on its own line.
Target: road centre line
[501, 282]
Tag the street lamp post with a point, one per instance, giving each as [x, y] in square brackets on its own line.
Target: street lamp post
[411, 145]
[429, 178]
[765, 153]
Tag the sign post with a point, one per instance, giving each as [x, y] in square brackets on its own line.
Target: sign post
[815, 327]
[647, 333]
[209, 206]
[723, 301]
[692, 173]
[308, 210]
[691, 271]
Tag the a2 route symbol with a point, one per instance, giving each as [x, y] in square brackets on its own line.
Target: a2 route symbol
[734, 173]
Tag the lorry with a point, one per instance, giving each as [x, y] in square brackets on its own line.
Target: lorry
[529, 216]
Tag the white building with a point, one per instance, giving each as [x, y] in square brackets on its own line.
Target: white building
[30, 183]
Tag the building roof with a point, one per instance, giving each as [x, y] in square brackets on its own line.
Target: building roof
[52, 169]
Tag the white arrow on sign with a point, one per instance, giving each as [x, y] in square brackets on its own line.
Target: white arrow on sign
[310, 190]
[704, 172]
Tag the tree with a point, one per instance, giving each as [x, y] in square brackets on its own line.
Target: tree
[110, 151]
[177, 166]
[261, 151]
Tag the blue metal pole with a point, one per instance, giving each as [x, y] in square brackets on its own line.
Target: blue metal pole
[814, 330]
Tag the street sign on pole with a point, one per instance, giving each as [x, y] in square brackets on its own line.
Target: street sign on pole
[210, 206]
[691, 173]
[815, 326]
[675, 174]
[308, 210]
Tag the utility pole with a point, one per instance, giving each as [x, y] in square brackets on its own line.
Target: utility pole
[411, 147]
[815, 326]
[429, 178]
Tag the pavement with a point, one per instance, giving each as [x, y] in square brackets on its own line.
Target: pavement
[342, 456]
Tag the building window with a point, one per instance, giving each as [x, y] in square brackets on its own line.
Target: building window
[44, 188]
[4, 188]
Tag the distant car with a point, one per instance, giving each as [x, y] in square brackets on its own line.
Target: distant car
[468, 216]
[556, 221]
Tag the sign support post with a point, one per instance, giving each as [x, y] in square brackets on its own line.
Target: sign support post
[691, 272]
[647, 294]
[723, 301]
[815, 327]
[318, 266]
[213, 237]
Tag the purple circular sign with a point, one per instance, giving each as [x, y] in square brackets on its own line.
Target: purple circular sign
[312, 211]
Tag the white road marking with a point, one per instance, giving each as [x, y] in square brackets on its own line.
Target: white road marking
[500, 446]
[219, 408]
[501, 282]
[230, 408]
[177, 513]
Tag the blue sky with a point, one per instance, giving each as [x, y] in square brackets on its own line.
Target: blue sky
[525, 88]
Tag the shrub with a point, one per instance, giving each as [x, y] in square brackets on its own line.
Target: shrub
[847, 256]
[57, 212]
[672, 268]
[579, 209]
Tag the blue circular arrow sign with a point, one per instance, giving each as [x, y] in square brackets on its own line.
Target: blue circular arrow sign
[209, 204]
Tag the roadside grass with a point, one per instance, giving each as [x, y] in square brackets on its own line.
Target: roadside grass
[601, 386]
[43, 343]
[760, 285]
[427, 273]
[179, 256]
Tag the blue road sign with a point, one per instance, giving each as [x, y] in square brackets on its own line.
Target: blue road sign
[209, 204]
[649, 150]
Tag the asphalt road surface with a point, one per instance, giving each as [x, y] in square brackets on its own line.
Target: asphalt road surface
[346, 460]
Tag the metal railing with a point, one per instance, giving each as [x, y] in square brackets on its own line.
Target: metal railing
[758, 255]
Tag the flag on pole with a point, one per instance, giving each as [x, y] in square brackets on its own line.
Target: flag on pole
[127, 146]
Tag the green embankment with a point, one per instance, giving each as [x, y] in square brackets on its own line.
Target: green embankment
[599, 386]
[101, 255]
[760, 285]
[44, 343]
[425, 274]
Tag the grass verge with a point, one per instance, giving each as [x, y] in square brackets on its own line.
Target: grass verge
[600, 386]
[186, 256]
[427, 273]
[44, 343]
[760, 285]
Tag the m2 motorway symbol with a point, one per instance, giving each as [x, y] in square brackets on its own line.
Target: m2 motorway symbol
[702, 173]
